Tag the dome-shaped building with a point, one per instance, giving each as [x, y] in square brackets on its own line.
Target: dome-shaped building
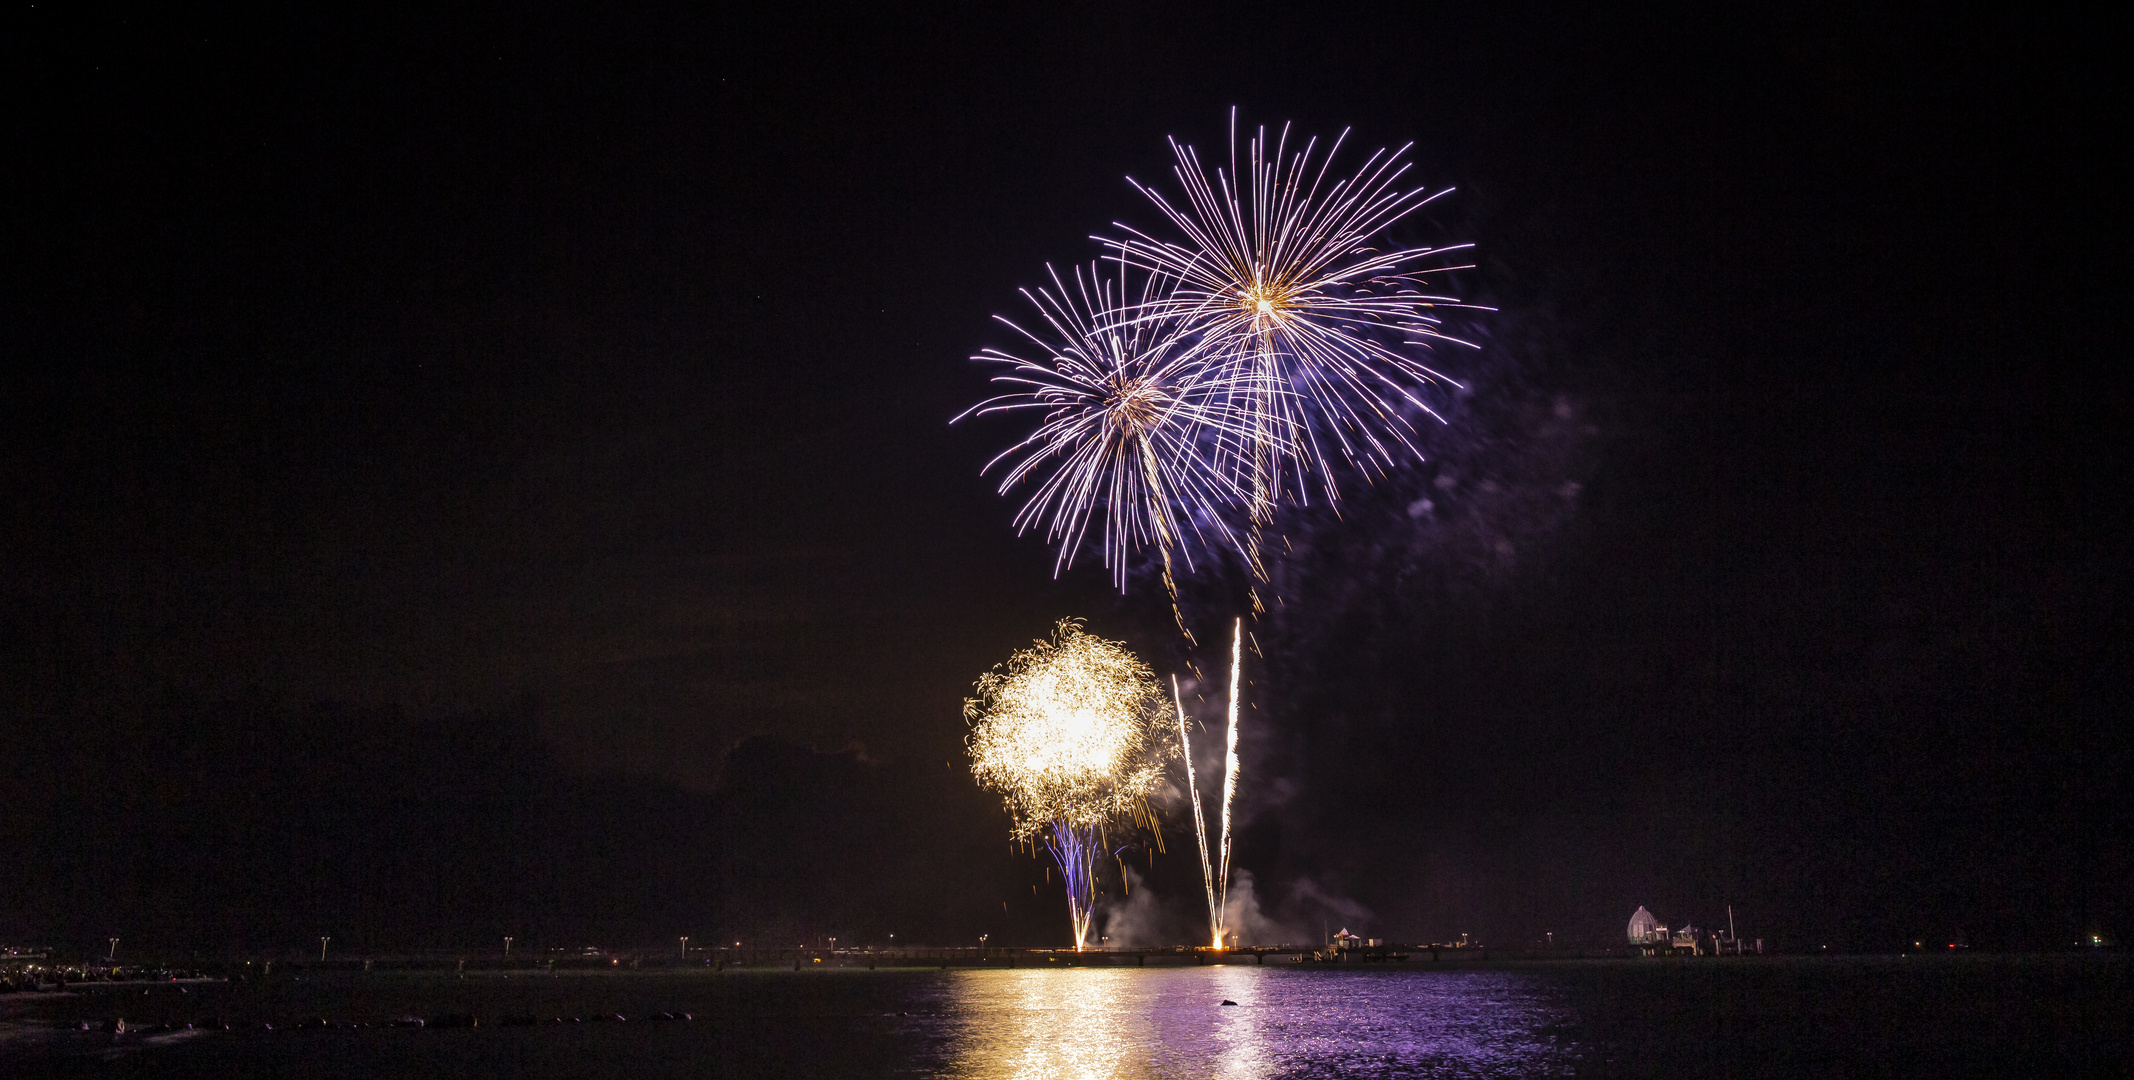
[1644, 929]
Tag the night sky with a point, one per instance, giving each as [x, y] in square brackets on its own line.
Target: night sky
[489, 473]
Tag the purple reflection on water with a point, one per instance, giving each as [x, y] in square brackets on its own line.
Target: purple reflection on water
[1288, 1022]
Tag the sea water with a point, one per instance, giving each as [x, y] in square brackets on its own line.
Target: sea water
[1935, 1017]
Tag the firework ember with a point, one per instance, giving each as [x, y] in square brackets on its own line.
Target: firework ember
[1073, 733]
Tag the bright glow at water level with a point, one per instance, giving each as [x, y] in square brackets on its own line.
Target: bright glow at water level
[1100, 1024]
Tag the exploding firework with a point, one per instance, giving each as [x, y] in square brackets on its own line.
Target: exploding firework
[1308, 325]
[1128, 414]
[1273, 343]
[1073, 733]
[1310, 330]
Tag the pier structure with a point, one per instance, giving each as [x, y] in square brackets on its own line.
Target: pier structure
[1002, 957]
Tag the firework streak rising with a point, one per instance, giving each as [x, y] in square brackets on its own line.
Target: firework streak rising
[1230, 770]
[1071, 733]
[1218, 885]
[1200, 820]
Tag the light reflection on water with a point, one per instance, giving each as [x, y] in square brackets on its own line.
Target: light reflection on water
[1100, 1024]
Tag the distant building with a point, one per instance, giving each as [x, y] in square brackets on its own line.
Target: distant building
[1644, 929]
[1349, 948]
[1346, 940]
[1649, 937]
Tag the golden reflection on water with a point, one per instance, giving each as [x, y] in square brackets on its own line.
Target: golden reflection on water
[1094, 1024]
[1075, 1023]
[1162, 1023]
[1242, 1048]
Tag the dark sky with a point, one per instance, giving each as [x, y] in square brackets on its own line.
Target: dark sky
[522, 410]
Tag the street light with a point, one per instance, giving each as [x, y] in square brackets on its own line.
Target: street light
[114, 954]
[685, 946]
[322, 948]
[507, 946]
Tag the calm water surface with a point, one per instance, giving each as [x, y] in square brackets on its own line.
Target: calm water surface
[1117, 1024]
[1774, 1018]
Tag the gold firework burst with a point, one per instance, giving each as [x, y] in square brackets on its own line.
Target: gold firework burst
[1072, 731]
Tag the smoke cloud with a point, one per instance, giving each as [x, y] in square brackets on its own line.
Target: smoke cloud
[1138, 919]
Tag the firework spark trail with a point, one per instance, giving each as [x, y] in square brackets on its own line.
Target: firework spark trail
[1216, 881]
[1075, 850]
[1071, 732]
[1200, 821]
[1230, 771]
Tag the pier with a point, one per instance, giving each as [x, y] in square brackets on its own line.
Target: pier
[799, 959]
